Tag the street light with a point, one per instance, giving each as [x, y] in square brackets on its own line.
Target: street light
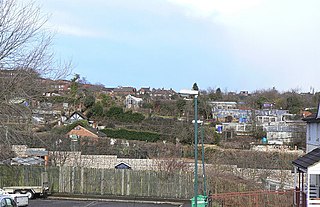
[202, 151]
[194, 93]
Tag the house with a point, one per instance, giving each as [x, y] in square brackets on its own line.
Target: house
[313, 131]
[84, 132]
[307, 179]
[307, 167]
[143, 91]
[80, 135]
[244, 93]
[132, 102]
[56, 86]
[76, 116]
[124, 91]
[162, 93]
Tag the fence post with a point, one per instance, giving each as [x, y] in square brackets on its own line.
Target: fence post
[81, 179]
[122, 182]
[72, 179]
[128, 181]
[102, 182]
[60, 187]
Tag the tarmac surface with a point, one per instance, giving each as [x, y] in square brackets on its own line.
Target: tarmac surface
[57, 202]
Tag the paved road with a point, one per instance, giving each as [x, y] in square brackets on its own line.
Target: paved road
[77, 203]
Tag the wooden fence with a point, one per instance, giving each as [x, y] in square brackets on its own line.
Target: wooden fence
[76, 180]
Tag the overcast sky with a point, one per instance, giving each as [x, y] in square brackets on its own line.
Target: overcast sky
[232, 44]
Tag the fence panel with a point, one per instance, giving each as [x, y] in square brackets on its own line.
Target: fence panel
[77, 180]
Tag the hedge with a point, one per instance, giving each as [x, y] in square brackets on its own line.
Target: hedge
[132, 135]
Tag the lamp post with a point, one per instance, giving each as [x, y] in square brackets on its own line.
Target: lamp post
[196, 150]
[202, 158]
[194, 93]
[203, 165]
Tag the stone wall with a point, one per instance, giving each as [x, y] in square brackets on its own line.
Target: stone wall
[110, 161]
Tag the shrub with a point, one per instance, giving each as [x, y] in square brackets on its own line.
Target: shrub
[128, 116]
[132, 135]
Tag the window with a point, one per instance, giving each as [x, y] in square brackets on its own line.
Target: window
[3, 203]
[9, 202]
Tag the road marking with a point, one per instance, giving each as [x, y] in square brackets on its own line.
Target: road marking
[93, 202]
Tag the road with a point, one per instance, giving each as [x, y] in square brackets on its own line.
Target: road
[91, 203]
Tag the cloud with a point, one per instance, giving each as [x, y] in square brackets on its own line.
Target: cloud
[216, 9]
[77, 31]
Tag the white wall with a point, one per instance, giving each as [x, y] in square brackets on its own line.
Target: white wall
[313, 136]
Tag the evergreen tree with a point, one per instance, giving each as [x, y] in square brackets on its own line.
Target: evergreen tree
[195, 87]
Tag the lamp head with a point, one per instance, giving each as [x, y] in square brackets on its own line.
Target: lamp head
[188, 92]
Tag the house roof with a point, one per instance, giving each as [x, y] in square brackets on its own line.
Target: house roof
[122, 165]
[125, 89]
[94, 131]
[79, 113]
[307, 160]
[313, 118]
[134, 98]
[36, 152]
[27, 161]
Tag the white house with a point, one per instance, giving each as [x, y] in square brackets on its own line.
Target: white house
[132, 102]
[313, 132]
[75, 116]
[307, 167]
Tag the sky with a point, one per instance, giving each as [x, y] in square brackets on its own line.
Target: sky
[231, 44]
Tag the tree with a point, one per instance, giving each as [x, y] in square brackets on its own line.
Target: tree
[294, 103]
[89, 101]
[204, 107]
[74, 87]
[97, 109]
[25, 57]
[195, 87]
[181, 104]
[218, 94]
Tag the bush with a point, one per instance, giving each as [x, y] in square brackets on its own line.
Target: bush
[128, 117]
[132, 135]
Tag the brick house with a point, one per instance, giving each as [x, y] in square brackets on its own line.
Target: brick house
[143, 91]
[79, 132]
[162, 93]
[124, 91]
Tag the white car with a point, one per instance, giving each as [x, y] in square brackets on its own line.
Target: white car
[7, 201]
[18, 199]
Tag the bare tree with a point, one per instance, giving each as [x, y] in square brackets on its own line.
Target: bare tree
[25, 60]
